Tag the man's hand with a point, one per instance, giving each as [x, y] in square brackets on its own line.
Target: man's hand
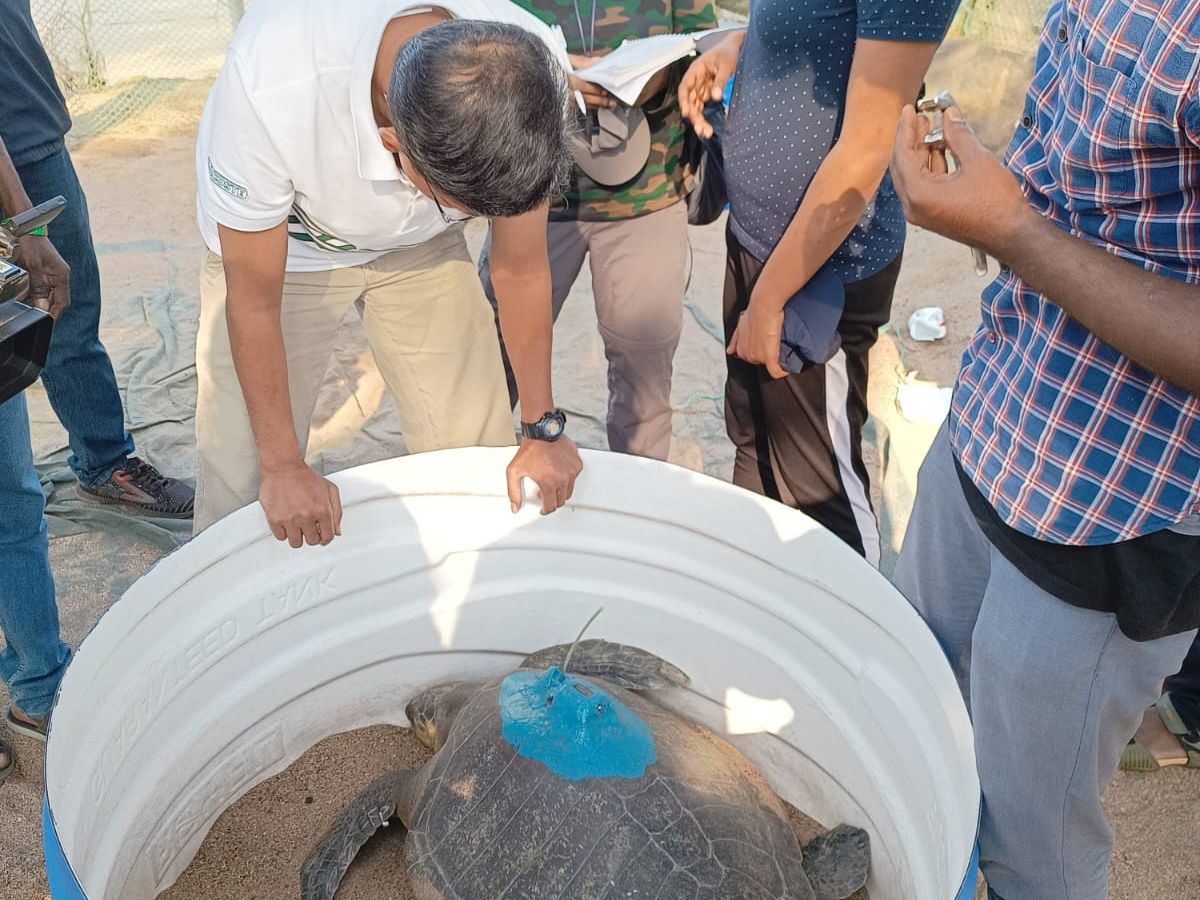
[552, 465]
[301, 506]
[979, 203]
[705, 81]
[49, 275]
[594, 96]
[1148, 317]
[654, 88]
[758, 336]
[520, 268]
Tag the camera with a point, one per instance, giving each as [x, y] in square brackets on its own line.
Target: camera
[24, 330]
[13, 281]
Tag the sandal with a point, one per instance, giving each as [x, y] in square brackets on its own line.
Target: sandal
[31, 728]
[7, 750]
[1136, 758]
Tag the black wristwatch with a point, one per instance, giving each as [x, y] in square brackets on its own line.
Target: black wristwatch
[549, 427]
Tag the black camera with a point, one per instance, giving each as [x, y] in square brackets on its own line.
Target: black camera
[24, 330]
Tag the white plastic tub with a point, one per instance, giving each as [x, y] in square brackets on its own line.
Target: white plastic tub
[235, 654]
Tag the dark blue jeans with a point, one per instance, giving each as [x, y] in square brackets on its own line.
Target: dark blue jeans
[79, 377]
[34, 658]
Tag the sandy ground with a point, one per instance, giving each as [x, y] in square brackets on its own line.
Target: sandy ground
[245, 857]
[140, 184]
[257, 847]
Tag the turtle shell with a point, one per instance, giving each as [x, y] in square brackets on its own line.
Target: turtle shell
[698, 822]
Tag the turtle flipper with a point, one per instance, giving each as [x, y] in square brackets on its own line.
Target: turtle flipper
[323, 870]
[621, 664]
[837, 862]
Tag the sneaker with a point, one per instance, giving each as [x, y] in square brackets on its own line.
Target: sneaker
[140, 485]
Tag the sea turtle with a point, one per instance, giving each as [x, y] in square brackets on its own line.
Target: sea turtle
[555, 782]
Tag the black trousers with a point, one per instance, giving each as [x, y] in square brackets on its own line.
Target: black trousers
[798, 439]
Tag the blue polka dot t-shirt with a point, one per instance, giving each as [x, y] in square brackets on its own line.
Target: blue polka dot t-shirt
[786, 113]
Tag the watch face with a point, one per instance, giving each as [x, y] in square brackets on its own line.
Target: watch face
[553, 427]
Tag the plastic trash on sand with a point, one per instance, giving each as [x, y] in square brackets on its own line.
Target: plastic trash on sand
[922, 402]
[927, 324]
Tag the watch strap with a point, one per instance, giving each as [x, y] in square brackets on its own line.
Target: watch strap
[550, 427]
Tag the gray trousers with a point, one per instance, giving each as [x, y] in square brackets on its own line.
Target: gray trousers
[639, 275]
[1055, 692]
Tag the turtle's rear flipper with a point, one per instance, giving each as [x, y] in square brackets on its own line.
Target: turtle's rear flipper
[837, 862]
[323, 870]
[629, 667]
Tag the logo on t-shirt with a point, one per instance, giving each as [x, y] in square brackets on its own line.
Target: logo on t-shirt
[303, 227]
[230, 187]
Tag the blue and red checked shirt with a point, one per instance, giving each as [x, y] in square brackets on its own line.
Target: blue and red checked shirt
[1069, 441]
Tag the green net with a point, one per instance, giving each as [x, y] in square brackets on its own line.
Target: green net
[117, 58]
[1007, 24]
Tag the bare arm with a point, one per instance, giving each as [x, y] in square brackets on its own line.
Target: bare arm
[49, 275]
[254, 267]
[655, 86]
[1152, 319]
[13, 198]
[300, 505]
[883, 76]
[520, 271]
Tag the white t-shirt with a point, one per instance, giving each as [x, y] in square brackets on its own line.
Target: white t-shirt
[288, 132]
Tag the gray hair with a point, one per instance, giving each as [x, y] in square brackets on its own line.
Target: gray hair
[482, 112]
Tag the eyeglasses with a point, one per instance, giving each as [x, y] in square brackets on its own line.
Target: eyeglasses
[450, 218]
[458, 215]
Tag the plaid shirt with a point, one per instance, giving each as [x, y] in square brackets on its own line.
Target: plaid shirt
[1070, 441]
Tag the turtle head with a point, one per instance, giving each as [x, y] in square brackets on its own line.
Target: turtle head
[432, 712]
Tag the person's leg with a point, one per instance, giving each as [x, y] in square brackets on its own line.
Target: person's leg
[868, 308]
[799, 438]
[945, 560]
[744, 415]
[78, 375]
[566, 244]
[34, 657]
[227, 468]
[1056, 691]
[433, 336]
[639, 271]
[1170, 731]
[1184, 689]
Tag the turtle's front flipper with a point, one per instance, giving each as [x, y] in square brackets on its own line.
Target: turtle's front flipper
[837, 862]
[629, 667]
[329, 860]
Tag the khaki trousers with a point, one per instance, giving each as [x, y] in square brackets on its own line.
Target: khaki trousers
[639, 274]
[430, 329]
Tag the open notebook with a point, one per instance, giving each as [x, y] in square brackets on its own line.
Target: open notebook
[625, 71]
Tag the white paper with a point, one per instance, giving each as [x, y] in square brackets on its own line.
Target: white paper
[626, 71]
